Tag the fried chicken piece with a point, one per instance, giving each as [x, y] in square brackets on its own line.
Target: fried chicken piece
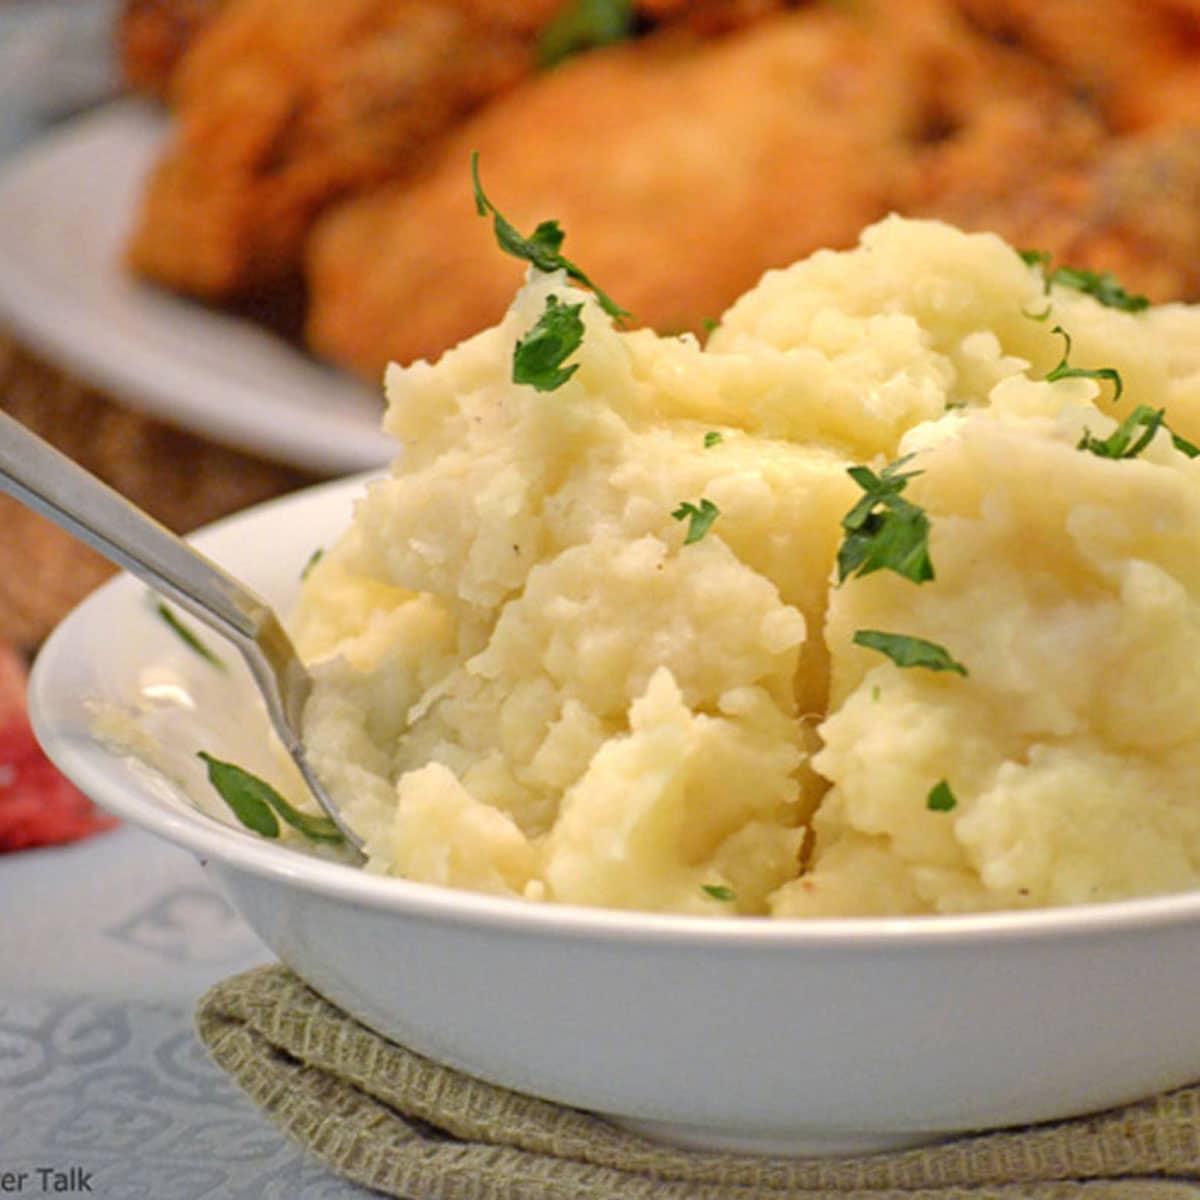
[711, 16]
[1138, 60]
[666, 162]
[152, 37]
[1130, 205]
[680, 169]
[1132, 208]
[285, 105]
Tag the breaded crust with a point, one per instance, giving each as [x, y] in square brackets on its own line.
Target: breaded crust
[152, 36]
[283, 106]
[330, 139]
[680, 168]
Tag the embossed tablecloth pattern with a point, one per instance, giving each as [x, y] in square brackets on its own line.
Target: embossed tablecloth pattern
[104, 948]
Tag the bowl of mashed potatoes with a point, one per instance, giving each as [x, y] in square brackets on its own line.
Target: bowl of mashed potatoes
[789, 742]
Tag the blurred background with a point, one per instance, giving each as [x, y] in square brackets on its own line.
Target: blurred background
[56, 58]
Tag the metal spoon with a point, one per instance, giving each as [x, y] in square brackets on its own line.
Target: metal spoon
[38, 475]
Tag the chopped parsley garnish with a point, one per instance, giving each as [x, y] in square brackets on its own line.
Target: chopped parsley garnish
[314, 558]
[582, 25]
[1122, 442]
[699, 518]
[188, 636]
[539, 356]
[1184, 446]
[718, 891]
[1127, 442]
[256, 803]
[1103, 285]
[883, 530]
[712, 438]
[1065, 371]
[907, 651]
[941, 798]
[541, 249]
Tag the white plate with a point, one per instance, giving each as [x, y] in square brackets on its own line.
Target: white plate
[65, 206]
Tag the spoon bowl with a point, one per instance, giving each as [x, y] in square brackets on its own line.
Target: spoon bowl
[39, 476]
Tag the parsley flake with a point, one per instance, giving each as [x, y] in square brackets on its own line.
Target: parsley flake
[188, 636]
[718, 891]
[1065, 371]
[907, 651]
[712, 438]
[1122, 443]
[1184, 446]
[1104, 286]
[1036, 258]
[941, 798]
[256, 803]
[314, 558]
[699, 518]
[582, 25]
[883, 530]
[539, 356]
[541, 249]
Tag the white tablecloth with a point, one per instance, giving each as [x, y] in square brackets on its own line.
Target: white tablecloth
[105, 946]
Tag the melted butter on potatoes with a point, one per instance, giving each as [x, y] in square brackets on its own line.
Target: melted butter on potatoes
[529, 683]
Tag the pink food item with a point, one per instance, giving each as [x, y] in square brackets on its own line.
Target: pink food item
[38, 806]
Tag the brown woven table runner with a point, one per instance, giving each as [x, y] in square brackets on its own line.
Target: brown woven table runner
[391, 1120]
[182, 479]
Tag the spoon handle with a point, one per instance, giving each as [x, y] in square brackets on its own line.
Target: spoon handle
[47, 481]
[50, 483]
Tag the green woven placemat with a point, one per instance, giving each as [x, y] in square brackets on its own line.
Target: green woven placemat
[391, 1120]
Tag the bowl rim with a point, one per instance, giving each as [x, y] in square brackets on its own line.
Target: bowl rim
[89, 764]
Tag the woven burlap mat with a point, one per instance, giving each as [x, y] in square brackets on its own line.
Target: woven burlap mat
[388, 1119]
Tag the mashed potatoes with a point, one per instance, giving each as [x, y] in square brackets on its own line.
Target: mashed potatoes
[530, 682]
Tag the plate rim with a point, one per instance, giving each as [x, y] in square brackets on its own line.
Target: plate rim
[134, 363]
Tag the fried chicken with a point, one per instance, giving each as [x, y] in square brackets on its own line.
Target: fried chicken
[152, 37]
[284, 105]
[1132, 208]
[680, 169]
[723, 137]
[1138, 61]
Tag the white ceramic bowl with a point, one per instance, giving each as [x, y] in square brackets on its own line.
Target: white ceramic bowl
[774, 1036]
